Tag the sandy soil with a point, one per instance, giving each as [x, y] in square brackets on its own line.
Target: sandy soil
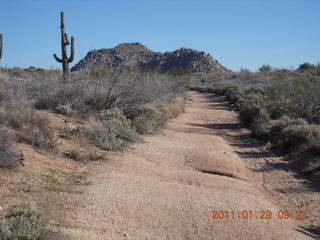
[168, 186]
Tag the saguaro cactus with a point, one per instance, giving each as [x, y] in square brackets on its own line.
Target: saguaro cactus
[1, 40]
[64, 43]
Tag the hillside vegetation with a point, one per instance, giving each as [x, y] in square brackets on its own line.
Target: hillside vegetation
[280, 106]
[119, 105]
[100, 109]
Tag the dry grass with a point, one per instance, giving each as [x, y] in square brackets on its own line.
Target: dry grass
[88, 92]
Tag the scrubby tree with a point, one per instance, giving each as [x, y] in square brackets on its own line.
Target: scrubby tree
[265, 68]
[306, 66]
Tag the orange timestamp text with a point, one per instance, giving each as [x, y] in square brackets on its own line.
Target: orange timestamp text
[263, 214]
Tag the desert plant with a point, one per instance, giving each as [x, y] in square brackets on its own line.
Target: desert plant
[111, 131]
[80, 156]
[277, 126]
[233, 94]
[22, 222]
[297, 135]
[306, 66]
[250, 107]
[110, 135]
[38, 133]
[9, 155]
[148, 118]
[297, 98]
[220, 90]
[65, 60]
[1, 46]
[29, 125]
[309, 159]
[272, 129]
[265, 68]
[85, 96]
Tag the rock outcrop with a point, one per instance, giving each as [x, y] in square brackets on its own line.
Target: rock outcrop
[137, 57]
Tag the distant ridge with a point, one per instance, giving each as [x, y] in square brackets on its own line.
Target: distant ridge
[137, 57]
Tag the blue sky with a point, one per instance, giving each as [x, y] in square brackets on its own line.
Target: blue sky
[238, 33]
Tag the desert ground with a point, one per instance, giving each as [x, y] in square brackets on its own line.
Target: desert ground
[168, 185]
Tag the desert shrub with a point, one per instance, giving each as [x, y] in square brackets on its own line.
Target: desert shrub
[80, 156]
[112, 131]
[174, 108]
[296, 135]
[265, 68]
[272, 129]
[90, 92]
[46, 102]
[99, 73]
[111, 135]
[251, 107]
[9, 156]
[220, 90]
[38, 133]
[30, 126]
[309, 159]
[233, 94]
[297, 98]
[113, 113]
[148, 118]
[22, 222]
[277, 126]
[306, 66]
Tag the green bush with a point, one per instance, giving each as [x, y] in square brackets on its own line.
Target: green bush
[297, 98]
[277, 126]
[233, 94]
[251, 107]
[220, 90]
[149, 117]
[112, 132]
[306, 66]
[309, 159]
[22, 222]
[265, 68]
[297, 135]
[113, 113]
[273, 129]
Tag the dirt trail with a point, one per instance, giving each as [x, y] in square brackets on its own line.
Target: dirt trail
[168, 186]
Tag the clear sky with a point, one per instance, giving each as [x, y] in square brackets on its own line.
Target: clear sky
[238, 33]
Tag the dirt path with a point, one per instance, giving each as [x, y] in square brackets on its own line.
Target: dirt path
[168, 186]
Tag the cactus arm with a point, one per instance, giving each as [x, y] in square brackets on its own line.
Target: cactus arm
[1, 39]
[70, 59]
[57, 59]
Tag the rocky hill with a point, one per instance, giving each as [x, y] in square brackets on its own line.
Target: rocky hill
[137, 57]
